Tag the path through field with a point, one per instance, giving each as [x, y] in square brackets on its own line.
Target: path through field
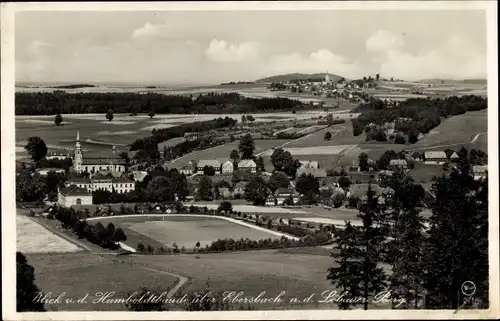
[472, 141]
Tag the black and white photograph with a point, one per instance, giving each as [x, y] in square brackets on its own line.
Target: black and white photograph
[255, 160]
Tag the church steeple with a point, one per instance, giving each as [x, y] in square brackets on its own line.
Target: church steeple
[77, 160]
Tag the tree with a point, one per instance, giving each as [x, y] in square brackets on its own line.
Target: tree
[234, 156]
[243, 119]
[377, 77]
[205, 189]
[363, 162]
[26, 290]
[119, 235]
[109, 115]
[457, 249]
[256, 191]
[36, 148]
[283, 161]
[408, 244]
[30, 187]
[151, 114]
[338, 199]
[225, 206]
[140, 247]
[308, 185]
[110, 231]
[344, 182]
[386, 158]
[146, 304]
[278, 180]
[413, 137]
[362, 251]
[208, 170]
[347, 274]
[328, 136]
[400, 139]
[246, 147]
[259, 161]
[58, 119]
[250, 118]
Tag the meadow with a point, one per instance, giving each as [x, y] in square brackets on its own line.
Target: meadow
[34, 238]
[78, 274]
[457, 130]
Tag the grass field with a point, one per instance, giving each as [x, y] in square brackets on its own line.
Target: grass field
[34, 238]
[79, 274]
[460, 129]
[184, 231]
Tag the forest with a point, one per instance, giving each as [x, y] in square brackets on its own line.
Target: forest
[51, 103]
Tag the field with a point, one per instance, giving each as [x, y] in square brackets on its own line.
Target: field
[34, 238]
[78, 274]
[184, 231]
[458, 130]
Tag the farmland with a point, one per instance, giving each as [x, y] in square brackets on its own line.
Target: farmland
[34, 238]
[78, 274]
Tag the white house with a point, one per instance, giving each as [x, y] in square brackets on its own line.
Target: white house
[247, 165]
[480, 172]
[208, 162]
[74, 195]
[189, 169]
[45, 171]
[401, 163]
[309, 164]
[227, 167]
[454, 157]
[435, 158]
[98, 182]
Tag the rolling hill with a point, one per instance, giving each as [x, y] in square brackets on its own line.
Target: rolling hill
[454, 81]
[297, 76]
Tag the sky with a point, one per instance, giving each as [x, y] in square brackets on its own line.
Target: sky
[210, 47]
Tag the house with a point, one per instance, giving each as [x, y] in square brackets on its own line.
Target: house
[359, 192]
[239, 189]
[58, 155]
[454, 157]
[416, 156]
[281, 195]
[480, 172]
[384, 174]
[227, 167]
[139, 176]
[189, 169]
[45, 171]
[225, 193]
[435, 158]
[247, 165]
[208, 162]
[74, 195]
[309, 164]
[100, 182]
[398, 163]
[319, 173]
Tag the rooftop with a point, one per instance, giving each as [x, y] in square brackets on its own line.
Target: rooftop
[74, 190]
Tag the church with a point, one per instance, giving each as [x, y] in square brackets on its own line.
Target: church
[93, 162]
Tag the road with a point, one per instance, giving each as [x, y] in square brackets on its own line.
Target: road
[472, 141]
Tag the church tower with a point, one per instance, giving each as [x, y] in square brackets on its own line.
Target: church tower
[77, 160]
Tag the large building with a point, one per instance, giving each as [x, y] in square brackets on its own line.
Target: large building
[92, 162]
[100, 182]
[73, 195]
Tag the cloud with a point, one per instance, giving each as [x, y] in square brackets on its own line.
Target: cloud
[223, 52]
[148, 31]
[384, 40]
[455, 57]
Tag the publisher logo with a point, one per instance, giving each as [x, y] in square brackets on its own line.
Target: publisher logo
[468, 288]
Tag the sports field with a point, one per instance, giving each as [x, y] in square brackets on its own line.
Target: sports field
[183, 230]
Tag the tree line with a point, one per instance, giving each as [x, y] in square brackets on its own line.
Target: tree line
[51, 103]
[415, 115]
